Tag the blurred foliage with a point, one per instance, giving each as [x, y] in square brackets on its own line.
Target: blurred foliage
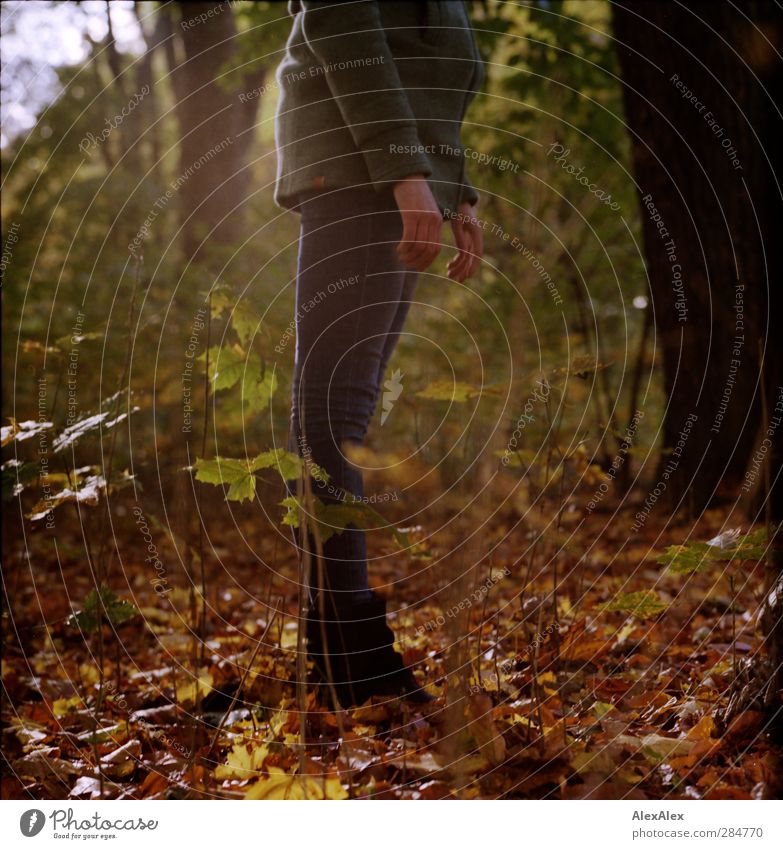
[644, 604]
[730, 548]
[70, 296]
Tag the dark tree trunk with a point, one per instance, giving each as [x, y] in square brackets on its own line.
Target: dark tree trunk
[722, 205]
[706, 164]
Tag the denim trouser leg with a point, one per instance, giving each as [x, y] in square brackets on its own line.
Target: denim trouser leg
[352, 297]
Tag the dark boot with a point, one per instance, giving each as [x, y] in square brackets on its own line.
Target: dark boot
[359, 653]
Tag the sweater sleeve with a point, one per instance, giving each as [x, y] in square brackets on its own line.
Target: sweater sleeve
[349, 41]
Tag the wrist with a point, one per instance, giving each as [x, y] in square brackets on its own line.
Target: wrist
[410, 178]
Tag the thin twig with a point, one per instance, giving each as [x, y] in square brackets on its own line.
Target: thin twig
[242, 680]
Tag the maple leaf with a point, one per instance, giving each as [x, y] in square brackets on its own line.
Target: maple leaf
[243, 763]
[244, 318]
[226, 365]
[113, 609]
[280, 785]
[645, 604]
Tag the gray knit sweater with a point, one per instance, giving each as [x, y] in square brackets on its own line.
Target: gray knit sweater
[371, 92]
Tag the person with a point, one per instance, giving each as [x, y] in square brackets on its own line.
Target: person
[372, 99]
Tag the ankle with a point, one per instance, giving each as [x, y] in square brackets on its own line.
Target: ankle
[341, 599]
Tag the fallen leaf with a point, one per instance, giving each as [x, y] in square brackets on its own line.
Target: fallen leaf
[243, 763]
[744, 726]
[86, 786]
[279, 785]
[703, 730]
[194, 690]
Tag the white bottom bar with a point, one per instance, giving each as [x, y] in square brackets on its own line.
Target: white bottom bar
[382, 824]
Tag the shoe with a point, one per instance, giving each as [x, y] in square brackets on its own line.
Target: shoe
[359, 653]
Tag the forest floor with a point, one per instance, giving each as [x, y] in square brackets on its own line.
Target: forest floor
[606, 704]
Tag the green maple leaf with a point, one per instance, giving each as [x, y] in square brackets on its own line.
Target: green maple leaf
[333, 519]
[257, 391]
[237, 474]
[226, 366]
[288, 465]
[114, 609]
[244, 319]
[645, 604]
[330, 519]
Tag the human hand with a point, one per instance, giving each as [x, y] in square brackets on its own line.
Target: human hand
[421, 222]
[469, 238]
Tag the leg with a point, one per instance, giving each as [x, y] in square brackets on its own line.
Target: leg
[406, 297]
[352, 298]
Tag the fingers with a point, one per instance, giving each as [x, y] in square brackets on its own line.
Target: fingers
[420, 243]
[459, 267]
[477, 238]
[421, 233]
[422, 222]
[470, 244]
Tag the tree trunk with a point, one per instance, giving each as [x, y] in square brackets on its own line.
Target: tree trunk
[702, 130]
[215, 124]
[710, 163]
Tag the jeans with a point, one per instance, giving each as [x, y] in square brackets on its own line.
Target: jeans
[352, 297]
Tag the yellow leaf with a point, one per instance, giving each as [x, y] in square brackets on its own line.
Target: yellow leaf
[193, 690]
[545, 679]
[629, 776]
[601, 709]
[277, 722]
[62, 707]
[279, 785]
[625, 632]
[241, 763]
[703, 730]
[290, 637]
[89, 673]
